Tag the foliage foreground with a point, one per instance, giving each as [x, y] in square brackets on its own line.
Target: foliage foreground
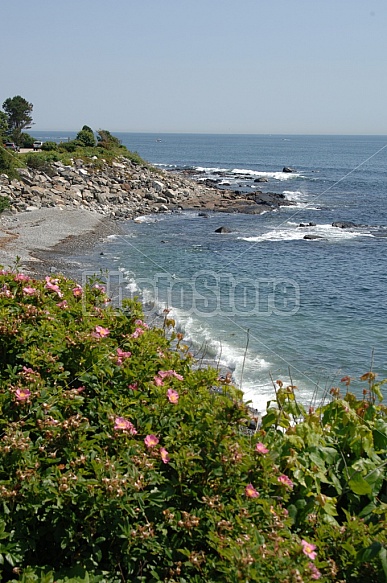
[121, 461]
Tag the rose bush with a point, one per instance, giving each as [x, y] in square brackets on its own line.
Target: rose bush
[122, 461]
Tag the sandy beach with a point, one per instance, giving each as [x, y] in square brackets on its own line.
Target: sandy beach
[45, 238]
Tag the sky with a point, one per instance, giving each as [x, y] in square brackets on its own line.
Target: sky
[198, 66]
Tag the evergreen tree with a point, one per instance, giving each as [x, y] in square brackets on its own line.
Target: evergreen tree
[18, 112]
[86, 137]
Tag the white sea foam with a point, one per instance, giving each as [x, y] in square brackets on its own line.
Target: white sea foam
[239, 172]
[326, 231]
[146, 219]
[208, 344]
[132, 286]
[275, 235]
[282, 176]
[250, 371]
[295, 195]
[211, 170]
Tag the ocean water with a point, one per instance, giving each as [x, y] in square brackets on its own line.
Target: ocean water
[261, 299]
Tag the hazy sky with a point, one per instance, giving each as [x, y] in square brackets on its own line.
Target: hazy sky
[227, 66]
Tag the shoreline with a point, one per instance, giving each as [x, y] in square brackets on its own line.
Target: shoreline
[46, 239]
[63, 210]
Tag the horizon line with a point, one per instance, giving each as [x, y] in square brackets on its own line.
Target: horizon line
[211, 133]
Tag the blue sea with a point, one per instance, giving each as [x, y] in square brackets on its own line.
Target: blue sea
[261, 299]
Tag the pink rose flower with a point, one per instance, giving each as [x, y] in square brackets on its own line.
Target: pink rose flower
[22, 394]
[170, 373]
[52, 285]
[260, 448]
[100, 332]
[121, 356]
[164, 455]
[122, 424]
[308, 549]
[63, 304]
[21, 277]
[101, 288]
[29, 291]
[173, 396]
[315, 572]
[133, 386]
[158, 381]
[137, 333]
[251, 492]
[285, 481]
[77, 291]
[151, 441]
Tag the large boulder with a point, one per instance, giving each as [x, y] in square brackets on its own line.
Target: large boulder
[344, 224]
[288, 169]
[223, 230]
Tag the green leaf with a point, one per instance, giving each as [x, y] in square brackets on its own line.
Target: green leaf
[380, 435]
[329, 454]
[359, 485]
[367, 510]
[292, 509]
[330, 508]
[383, 558]
[366, 555]
[269, 419]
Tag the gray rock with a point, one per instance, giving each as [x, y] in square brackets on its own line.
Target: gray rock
[158, 186]
[344, 224]
[223, 230]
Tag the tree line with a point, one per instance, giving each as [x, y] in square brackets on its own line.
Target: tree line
[16, 117]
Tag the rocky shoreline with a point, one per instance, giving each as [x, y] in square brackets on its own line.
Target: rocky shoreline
[124, 189]
[65, 210]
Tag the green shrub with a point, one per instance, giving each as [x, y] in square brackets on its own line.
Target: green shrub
[4, 203]
[50, 146]
[9, 163]
[107, 140]
[70, 146]
[121, 461]
[26, 141]
[86, 137]
[40, 162]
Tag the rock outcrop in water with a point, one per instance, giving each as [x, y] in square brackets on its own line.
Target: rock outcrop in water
[344, 225]
[124, 189]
